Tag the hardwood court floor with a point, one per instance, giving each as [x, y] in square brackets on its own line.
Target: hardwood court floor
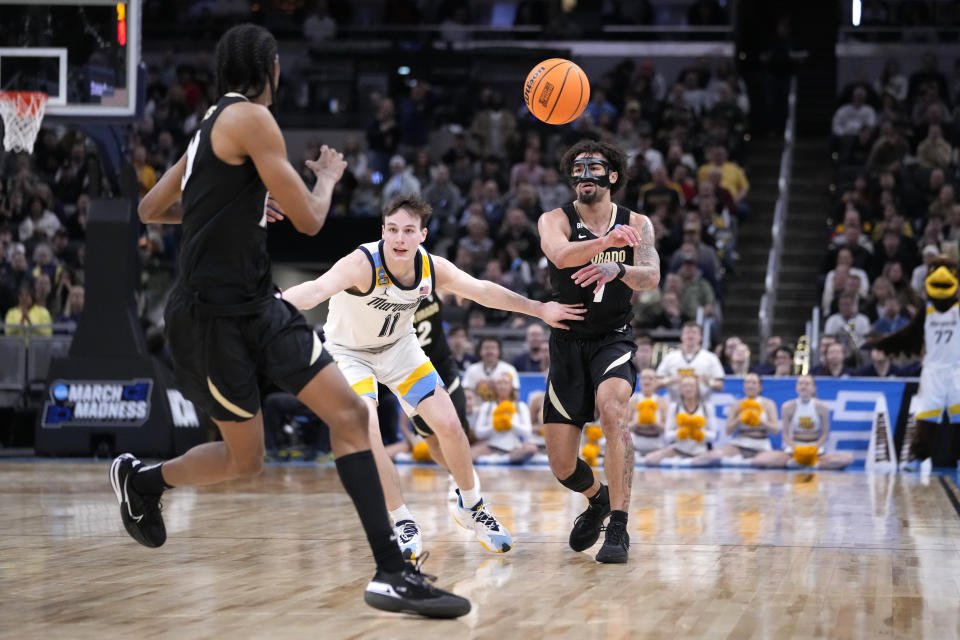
[723, 554]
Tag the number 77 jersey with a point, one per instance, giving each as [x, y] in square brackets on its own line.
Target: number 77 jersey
[383, 314]
[942, 335]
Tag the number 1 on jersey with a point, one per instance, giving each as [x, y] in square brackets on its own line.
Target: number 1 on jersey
[389, 324]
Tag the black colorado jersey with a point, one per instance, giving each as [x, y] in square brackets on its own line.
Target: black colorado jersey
[429, 327]
[223, 254]
[607, 311]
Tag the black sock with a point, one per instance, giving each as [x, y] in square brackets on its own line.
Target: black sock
[358, 473]
[618, 516]
[601, 497]
[149, 480]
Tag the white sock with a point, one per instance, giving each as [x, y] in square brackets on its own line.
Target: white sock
[471, 497]
[399, 514]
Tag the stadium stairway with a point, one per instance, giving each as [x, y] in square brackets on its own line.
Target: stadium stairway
[744, 289]
[805, 243]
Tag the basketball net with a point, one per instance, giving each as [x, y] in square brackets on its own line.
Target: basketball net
[22, 113]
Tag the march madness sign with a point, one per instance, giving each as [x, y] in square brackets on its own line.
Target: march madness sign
[121, 403]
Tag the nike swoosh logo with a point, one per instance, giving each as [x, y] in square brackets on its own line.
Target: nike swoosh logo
[581, 237]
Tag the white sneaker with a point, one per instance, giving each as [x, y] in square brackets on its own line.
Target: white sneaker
[408, 537]
[490, 533]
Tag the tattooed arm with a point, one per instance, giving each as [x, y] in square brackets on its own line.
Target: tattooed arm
[645, 272]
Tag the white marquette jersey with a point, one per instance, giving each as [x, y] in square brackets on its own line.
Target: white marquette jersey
[381, 315]
[805, 424]
[942, 335]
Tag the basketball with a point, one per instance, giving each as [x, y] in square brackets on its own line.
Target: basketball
[556, 91]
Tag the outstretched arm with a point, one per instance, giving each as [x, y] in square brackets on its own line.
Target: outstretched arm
[351, 271]
[489, 294]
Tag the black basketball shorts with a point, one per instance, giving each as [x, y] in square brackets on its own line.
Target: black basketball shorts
[577, 367]
[217, 360]
[450, 374]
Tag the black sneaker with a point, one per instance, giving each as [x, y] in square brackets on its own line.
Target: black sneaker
[409, 591]
[140, 511]
[587, 526]
[614, 549]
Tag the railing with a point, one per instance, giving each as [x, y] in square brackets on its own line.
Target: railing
[771, 281]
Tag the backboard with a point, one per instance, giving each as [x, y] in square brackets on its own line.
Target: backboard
[84, 54]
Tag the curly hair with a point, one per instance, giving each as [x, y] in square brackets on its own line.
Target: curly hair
[245, 56]
[616, 158]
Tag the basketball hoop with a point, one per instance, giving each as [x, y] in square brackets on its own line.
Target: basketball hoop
[22, 113]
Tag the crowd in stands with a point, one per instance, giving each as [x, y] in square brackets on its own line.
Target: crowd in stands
[895, 149]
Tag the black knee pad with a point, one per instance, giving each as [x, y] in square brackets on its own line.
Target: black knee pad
[581, 479]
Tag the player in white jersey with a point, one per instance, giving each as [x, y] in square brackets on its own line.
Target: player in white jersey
[650, 415]
[750, 422]
[806, 422]
[374, 292]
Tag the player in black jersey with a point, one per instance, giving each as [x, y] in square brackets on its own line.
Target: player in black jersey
[599, 253]
[226, 327]
[429, 327]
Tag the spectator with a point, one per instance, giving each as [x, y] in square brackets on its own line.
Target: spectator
[928, 74]
[479, 376]
[32, 318]
[879, 367]
[892, 318]
[41, 222]
[919, 276]
[891, 81]
[836, 278]
[530, 360]
[477, 243]
[782, 362]
[933, 151]
[643, 357]
[518, 234]
[893, 248]
[848, 119]
[889, 149]
[651, 156]
[415, 117]
[695, 292]
[401, 181]
[529, 171]
[767, 366]
[493, 127]
[13, 278]
[42, 290]
[733, 179]
[146, 176]
[446, 200]
[503, 426]
[691, 359]
[670, 316]
[833, 365]
[74, 307]
[740, 360]
[553, 193]
[660, 192]
[383, 137]
[461, 347]
[848, 320]
[880, 290]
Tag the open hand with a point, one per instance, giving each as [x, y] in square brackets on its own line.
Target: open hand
[600, 273]
[554, 313]
[329, 165]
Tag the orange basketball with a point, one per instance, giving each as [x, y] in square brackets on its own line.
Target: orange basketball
[556, 91]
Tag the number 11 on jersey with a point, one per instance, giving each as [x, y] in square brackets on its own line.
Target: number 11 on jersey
[389, 324]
